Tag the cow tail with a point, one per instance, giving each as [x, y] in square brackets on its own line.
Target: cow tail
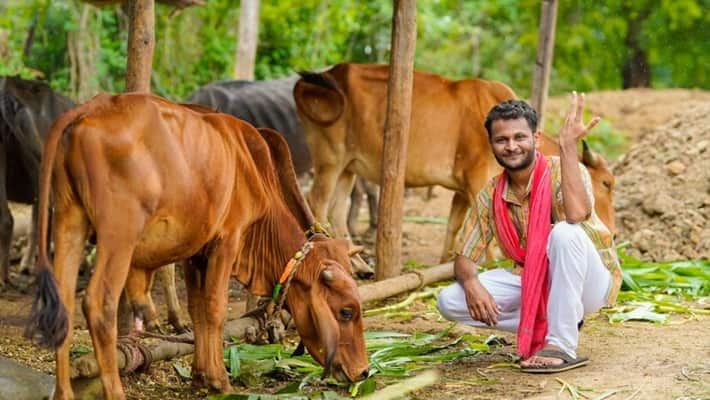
[48, 321]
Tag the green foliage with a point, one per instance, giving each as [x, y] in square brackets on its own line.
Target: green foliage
[392, 354]
[651, 290]
[456, 38]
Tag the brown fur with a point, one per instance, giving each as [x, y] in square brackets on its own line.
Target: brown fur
[343, 112]
[160, 182]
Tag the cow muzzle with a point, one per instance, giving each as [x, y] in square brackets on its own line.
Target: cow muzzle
[341, 375]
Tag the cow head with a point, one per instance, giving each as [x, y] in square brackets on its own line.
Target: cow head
[599, 172]
[325, 304]
[603, 185]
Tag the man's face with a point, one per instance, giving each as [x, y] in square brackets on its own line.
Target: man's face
[513, 143]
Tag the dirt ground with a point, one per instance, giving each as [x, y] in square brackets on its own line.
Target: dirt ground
[638, 360]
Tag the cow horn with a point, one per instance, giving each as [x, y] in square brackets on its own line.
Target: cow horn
[327, 276]
[589, 158]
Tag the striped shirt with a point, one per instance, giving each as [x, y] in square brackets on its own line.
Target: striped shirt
[479, 226]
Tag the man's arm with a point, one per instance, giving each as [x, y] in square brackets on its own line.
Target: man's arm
[576, 202]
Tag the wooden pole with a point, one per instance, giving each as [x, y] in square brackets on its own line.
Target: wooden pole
[405, 282]
[543, 62]
[141, 43]
[247, 40]
[396, 138]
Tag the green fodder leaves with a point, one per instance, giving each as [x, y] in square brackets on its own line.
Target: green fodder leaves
[392, 354]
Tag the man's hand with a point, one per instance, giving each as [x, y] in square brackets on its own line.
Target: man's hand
[577, 205]
[574, 129]
[481, 304]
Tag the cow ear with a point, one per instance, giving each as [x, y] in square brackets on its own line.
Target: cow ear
[327, 330]
[322, 105]
[327, 276]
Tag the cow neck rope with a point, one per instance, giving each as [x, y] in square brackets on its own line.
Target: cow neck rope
[315, 229]
[278, 297]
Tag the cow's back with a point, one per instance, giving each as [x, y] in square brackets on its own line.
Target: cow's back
[183, 168]
[264, 104]
[447, 124]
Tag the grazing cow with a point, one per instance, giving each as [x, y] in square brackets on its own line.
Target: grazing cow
[270, 104]
[27, 109]
[160, 182]
[343, 111]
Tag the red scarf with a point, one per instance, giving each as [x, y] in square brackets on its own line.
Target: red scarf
[535, 285]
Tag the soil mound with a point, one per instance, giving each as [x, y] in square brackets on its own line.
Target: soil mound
[663, 189]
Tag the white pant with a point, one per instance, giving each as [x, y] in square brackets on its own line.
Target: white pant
[579, 284]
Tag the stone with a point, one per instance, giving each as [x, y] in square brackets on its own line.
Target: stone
[676, 168]
[19, 382]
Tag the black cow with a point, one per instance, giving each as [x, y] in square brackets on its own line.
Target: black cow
[264, 104]
[270, 104]
[27, 109]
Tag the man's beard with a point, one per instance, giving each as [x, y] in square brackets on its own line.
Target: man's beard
[526, 162]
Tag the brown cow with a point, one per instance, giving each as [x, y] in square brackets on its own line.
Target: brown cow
[159, 182]
[343, 112]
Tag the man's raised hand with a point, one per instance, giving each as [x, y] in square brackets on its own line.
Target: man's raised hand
[574, 128]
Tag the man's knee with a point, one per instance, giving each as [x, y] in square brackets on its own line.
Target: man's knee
[564, 234]
[447, 301]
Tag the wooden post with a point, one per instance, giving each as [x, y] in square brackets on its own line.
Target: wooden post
[543, 61]
[247, 40]
[396, 138]
[141, 42]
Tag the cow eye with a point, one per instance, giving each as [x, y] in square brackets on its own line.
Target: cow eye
[346, 314]
[607, 185]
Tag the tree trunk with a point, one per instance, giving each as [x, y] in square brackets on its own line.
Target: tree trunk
[30, 39]
[543, 61]
[247, 40]
[141, 43]
[476, 52]
[636, 72]
[396, 138]
[83, 46]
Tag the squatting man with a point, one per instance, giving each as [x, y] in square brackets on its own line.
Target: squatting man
[541, 212]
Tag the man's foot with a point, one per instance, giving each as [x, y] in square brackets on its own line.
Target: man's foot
[551, 359]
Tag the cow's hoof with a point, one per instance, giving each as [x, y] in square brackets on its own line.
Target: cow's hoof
[179, 326]
[220, 385]
[154, 326]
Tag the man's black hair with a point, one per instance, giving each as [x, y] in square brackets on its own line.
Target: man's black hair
[511, 109]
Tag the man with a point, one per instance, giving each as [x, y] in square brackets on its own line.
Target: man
[541, 211]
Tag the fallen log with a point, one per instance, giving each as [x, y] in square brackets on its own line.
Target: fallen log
[413, 280]
[86, 366]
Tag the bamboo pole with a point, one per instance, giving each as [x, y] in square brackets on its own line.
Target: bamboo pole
[396, 137]
[543, 62]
